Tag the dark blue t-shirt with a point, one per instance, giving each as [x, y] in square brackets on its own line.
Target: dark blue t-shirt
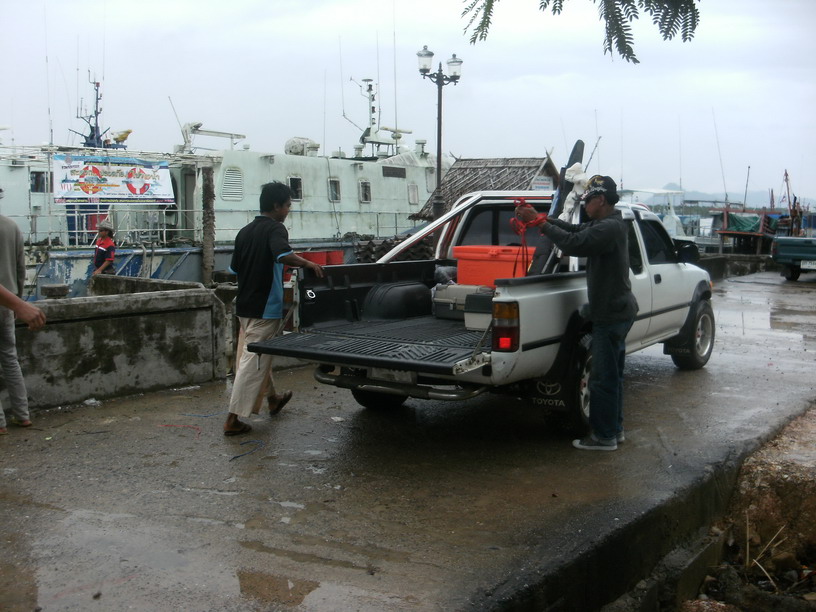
[259, 247]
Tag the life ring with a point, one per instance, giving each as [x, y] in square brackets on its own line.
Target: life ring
[137, 176]
[90, 180]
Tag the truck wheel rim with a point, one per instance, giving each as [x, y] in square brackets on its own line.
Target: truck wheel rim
[583, 391]
[703, 335]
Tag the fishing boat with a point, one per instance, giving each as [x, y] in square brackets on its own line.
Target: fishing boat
[167, 208]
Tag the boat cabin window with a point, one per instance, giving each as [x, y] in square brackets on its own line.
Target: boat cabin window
[413, 193]
[365, 192]
[393, 172]
[233, 186]
[40, 181]
[334, 190]
[296, 185]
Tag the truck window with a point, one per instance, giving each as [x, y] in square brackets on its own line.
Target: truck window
[635, 261]
[659, 247]
[491, 225]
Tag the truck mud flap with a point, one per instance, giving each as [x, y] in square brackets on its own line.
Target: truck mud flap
[420, 344]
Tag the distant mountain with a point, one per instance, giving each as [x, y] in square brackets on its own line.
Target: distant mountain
[754, 199]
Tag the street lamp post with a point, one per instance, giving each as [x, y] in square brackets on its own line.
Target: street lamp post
[440, 79]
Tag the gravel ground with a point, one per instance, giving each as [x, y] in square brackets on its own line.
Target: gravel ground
[770, 556]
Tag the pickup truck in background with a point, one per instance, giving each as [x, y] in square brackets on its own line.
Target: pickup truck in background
[795, 255]
[393, 330]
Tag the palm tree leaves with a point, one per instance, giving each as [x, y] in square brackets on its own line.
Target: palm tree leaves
[672, 17]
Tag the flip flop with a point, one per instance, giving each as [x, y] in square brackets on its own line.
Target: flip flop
[281, 403]
[244, 428]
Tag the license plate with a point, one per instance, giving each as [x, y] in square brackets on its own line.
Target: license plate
[399, 376]
[808, 264]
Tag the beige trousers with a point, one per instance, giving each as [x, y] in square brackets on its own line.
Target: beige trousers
[253, 370]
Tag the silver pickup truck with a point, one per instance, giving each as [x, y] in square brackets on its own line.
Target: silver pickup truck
[395, 329]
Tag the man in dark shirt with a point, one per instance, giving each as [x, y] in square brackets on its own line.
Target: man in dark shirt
[261, 250]
[612, 306]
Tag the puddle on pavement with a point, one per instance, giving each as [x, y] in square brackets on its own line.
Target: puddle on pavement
[302, 557]
[269, 588]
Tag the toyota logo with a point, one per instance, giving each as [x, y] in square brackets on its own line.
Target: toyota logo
[548, 388]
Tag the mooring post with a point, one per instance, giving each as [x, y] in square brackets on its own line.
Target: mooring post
[208, 241]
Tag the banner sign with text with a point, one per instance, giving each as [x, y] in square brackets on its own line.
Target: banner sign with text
[111, 180]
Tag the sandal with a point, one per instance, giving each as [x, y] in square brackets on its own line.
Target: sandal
[243, 429]
[21, 423]
[281, 402]
[3, 431]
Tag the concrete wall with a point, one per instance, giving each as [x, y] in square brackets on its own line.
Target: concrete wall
[108, 284]
[723, 266]
[105, 346]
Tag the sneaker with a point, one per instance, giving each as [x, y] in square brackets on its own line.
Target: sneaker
[590, 443]
[620, 437]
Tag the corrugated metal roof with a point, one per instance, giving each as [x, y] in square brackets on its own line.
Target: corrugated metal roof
[501, 173]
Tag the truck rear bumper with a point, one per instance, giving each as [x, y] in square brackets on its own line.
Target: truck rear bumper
[395, 388]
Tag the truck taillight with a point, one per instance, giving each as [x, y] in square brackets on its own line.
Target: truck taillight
[505, 326]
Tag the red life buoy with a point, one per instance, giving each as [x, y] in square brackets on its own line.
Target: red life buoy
[90, 180]
[134, 177]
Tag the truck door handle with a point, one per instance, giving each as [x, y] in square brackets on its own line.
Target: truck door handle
[658, 279]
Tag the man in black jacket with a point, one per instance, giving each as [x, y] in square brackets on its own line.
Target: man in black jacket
[612, 306]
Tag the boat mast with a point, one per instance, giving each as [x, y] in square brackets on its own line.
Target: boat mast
[787, 193]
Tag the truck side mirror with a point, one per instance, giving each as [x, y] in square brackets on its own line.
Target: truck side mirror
[687, 252]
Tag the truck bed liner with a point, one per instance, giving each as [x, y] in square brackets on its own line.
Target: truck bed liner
[424, 344]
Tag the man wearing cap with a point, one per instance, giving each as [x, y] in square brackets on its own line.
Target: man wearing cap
[105, 249]
[612, 306]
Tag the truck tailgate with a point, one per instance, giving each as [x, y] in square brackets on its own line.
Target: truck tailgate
[421, 344]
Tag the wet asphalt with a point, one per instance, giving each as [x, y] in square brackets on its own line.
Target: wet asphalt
[140, 503]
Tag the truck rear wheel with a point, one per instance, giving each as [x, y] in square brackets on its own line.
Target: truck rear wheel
[791, 273]
[698, 336]
[576, 419]
[378, 401]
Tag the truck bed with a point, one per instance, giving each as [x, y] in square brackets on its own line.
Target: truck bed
[425, 344]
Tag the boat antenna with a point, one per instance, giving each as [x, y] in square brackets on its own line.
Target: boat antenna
[621, 149]
[48, 80]
[680, 151]
[719, 153]
[342, 92]
[396, 97]
[593, 152]
[596, 142]
[379, 80]
[173, 106]
[564, 135]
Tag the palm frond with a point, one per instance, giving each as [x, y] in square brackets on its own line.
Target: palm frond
[482, 12]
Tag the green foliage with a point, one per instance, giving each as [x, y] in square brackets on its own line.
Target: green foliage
[672, 17]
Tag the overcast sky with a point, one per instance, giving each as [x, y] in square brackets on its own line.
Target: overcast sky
[274, 69]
